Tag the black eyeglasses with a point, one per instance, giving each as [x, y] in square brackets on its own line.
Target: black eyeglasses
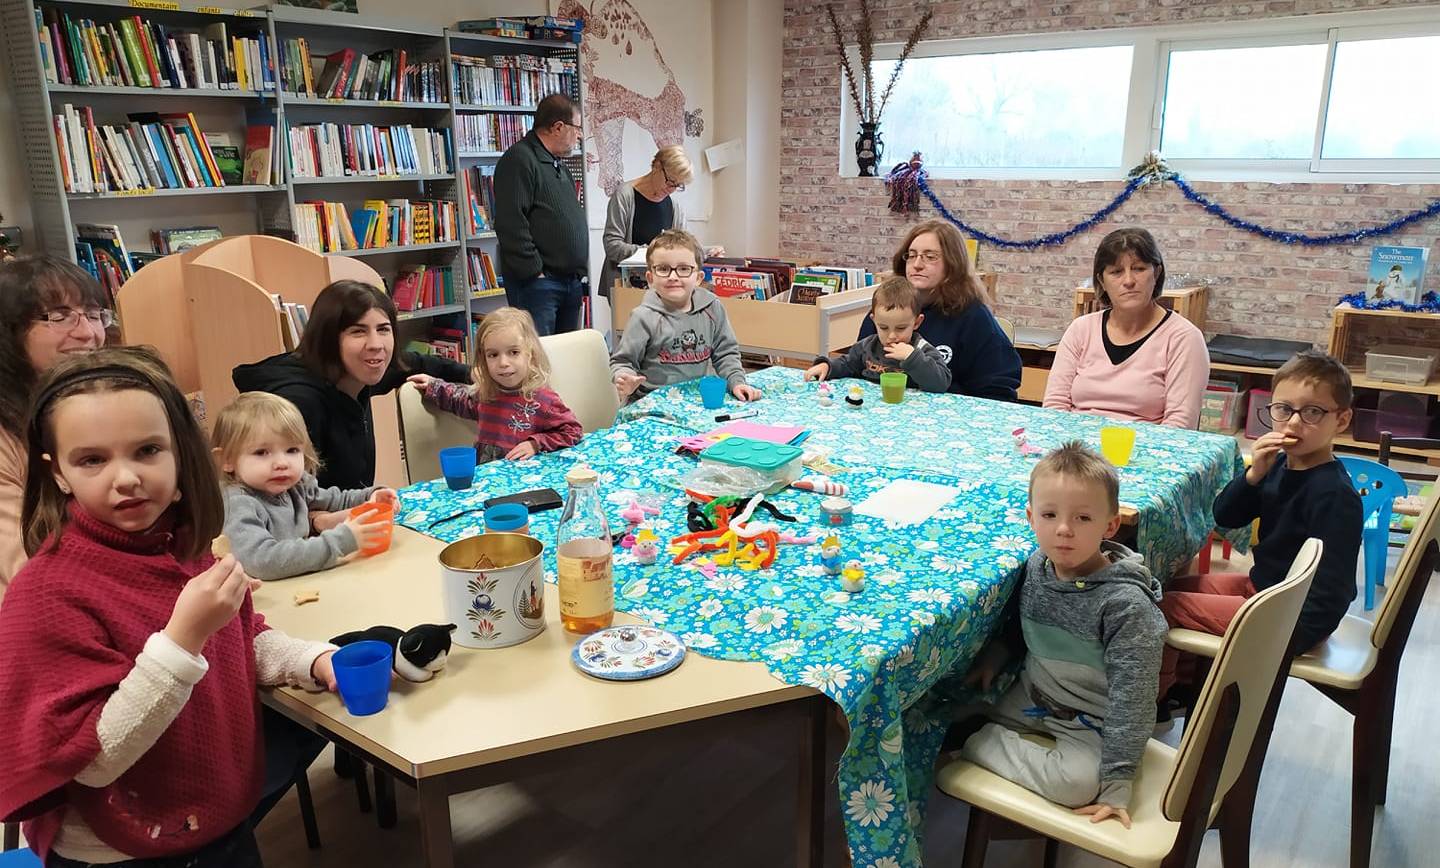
[678, 270]
[679, 188]
[1310, 414]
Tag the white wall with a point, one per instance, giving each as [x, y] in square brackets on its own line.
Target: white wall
[747, 104]
[14, 189]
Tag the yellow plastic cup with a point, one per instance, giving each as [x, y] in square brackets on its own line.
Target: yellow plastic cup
[1116, 444]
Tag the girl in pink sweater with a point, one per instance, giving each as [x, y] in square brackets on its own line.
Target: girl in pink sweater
[1134, 360]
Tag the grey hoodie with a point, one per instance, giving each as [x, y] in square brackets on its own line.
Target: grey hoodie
[268, 533]
[666, 346]
[1093, 646]
[924, 368]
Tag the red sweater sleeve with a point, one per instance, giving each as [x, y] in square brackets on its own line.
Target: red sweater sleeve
[556, 427]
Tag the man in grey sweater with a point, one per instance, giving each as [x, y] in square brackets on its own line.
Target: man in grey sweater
[544, 244]
[1089, 614]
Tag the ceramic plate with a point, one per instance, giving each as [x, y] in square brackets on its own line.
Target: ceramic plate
[628, 653]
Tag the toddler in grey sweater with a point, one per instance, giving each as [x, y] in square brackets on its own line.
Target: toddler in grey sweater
[272, 497]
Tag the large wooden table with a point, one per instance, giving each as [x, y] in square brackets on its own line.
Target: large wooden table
[499, 715]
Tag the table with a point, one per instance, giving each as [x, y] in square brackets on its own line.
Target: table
[1171, 481]
[501, 714]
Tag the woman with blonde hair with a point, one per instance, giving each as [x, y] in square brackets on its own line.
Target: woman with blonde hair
[643, 208]
[957, 317]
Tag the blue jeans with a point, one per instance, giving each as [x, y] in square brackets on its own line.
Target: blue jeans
[553, 302]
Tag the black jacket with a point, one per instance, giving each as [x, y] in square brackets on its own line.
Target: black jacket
[539, 222]
[340, 426]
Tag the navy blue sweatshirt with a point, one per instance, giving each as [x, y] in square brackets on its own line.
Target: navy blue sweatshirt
[1294, 505]
[982, 361]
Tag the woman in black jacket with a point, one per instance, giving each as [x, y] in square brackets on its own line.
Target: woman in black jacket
[346, 356]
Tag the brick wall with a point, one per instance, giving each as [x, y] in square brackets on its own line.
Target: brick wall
[1261, 287]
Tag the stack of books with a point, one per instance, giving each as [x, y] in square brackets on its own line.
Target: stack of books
[152, 151]
[331, 150]
[350, 74]
[510, 80]
[134, 52]
[476, 134]
[483, 282]
[418, 287]
[557, 27]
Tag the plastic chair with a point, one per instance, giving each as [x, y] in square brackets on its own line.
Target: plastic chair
[1007, 327]
[1378, 486]
[580, 375]
[1358, 668]
[13, 856]
[1178, 793]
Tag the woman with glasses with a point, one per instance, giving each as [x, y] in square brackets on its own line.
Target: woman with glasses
[49, 309]
[1132, 360]
[956, 314]
[643, 208]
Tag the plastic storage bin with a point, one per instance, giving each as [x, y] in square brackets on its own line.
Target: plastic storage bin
[1400, 413]
[1398, 364]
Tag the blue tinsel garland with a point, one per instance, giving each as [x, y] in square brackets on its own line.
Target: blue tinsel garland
[1429, 303]
[1154, 171]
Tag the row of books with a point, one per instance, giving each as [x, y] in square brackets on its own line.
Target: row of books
[478, 185]
[490, 133]
[447, 343]
[418, 287]
[811, 283]
[512, 80]
[482, 272]
[293, 319]
[134, 52]
[390, 74]
[331, 150]
[557, 27]
[152, 151]
[328, 227]
[100, 250]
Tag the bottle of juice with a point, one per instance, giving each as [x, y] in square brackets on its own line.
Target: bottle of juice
[584, 553]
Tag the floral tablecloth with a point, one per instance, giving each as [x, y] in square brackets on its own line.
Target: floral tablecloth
[1172, 478]
[934, 590]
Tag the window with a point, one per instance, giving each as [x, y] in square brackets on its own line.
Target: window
[1382, 100]
[1343, 97]
[1061, 108]
[1243, 103]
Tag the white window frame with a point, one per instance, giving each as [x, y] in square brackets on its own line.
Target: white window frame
[1145, 112]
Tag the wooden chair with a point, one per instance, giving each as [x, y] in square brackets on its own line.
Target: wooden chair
[1358, 668]
[1007, 327]
[1178, 793]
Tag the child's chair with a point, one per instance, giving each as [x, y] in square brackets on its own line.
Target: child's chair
[13, 856]
[1378, 486]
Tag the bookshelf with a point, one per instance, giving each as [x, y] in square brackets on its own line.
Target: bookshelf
[428, 102]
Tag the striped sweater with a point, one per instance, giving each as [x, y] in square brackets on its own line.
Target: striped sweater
[509, 419]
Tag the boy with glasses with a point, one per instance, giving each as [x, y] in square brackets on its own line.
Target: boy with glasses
[1297, 490]
[680, 331]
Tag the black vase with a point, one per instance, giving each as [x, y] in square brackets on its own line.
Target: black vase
[869, 149]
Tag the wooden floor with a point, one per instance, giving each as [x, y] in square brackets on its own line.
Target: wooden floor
[728, 803]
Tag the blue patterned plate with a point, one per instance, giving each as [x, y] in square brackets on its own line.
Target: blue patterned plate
[629, 653]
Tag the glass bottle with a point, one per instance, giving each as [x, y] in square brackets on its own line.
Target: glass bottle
[583, 555]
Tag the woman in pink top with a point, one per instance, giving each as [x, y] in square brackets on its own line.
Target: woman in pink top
[1134, 360]
[49, 308]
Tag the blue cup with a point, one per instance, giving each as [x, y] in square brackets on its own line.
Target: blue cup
[712, 392]
[507, 518]
[362, 674]
[457, 465]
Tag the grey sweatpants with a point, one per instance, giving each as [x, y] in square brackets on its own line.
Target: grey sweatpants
[1067, 773]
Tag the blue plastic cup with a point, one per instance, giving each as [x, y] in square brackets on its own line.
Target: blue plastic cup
[712, 392]
[457, 465]
[362, 673]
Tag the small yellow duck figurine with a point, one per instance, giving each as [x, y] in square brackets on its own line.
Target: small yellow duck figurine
[852, 577]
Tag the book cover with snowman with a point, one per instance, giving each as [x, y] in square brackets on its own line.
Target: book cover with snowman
[1396, 274]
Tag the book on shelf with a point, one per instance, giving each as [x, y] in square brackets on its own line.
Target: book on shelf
[447, 343]
[490, 133]
[131, 51]
[227, 158]
[478, 185]
[418, 287]
[331, 150]
[329, 227]
[510, 80]
[152, 151]
[512, 28]
[556, 27]
[173, 240]
[482, 272]
[390, 75]
[1396, 274]
[102, 252]
[260, 165]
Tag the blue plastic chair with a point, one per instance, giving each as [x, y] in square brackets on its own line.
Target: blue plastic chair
[1378, 486]
[22, 858]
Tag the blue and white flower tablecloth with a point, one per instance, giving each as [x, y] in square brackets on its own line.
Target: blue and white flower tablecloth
[1172, 478]
[934, 590]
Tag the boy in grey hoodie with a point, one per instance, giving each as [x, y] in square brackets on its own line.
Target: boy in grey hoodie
[895, 347]
[680, 331]
[1093, 633]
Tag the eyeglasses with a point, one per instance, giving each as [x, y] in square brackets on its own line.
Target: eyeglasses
[677, 270]
[568, 124]
[66, 318]
[930, 256]
[679, 188]
[1310, 414]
